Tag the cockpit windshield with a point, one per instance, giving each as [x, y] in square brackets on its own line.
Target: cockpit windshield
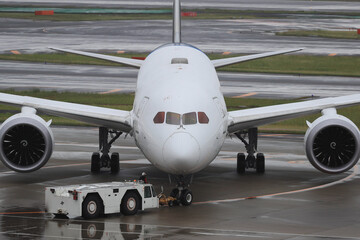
[190, 118]
[172, 118]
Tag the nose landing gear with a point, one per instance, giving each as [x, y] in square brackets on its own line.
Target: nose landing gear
[182, 193]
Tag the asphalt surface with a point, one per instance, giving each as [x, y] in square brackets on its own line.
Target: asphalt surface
[290, 201]
[288, 5]
[236, 36]
[103, 79]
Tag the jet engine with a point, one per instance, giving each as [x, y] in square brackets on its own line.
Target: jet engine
[332, 143]
[26, 142]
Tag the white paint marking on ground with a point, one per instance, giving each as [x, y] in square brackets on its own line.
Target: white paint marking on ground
[267, 196]
[229, 235]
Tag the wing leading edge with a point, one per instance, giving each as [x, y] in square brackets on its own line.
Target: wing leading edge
[99, 116]
[126, 61]
[228, 61]
[248, 118]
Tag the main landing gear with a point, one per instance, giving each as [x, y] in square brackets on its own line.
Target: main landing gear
[104, 160]
[182, 193]
[250, 161]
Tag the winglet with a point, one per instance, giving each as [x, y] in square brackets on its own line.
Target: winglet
[126, 61]
[177, 22]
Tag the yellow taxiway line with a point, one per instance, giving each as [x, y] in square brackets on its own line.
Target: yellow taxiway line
[112, 91]
[246, 95]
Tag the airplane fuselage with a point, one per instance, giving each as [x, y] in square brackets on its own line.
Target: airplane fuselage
[179, 115]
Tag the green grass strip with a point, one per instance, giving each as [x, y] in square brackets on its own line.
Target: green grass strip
[302, 65]
[96, 14]
[85, 10]
[284, 64]
[351, 34]
[125, 101]
[86, 17]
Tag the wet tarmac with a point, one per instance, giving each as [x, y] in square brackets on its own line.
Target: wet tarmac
[284, 5]
[103, 79]
[232, 35]
[291, 200]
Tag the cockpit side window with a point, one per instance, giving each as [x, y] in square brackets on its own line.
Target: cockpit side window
[172, 118]
[203, 118]
[189, 118]
[159, 118]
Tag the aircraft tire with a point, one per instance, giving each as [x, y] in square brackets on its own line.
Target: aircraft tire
[114, 163]
[95, 162]
[186, 197]
[174, 193]
[260, 163]
[241, 164]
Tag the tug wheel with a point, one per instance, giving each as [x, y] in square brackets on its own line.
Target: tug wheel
[92, 207]
[130, 204]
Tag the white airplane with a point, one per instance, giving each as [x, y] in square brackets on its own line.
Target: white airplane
[179, 119]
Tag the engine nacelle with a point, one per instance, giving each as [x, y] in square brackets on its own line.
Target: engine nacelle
[332, 143]
[26, 142]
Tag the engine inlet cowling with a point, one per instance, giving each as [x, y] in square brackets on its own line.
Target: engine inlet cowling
[332, 144]
[26, 143]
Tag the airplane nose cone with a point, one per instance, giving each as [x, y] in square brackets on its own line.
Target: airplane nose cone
[181, 153]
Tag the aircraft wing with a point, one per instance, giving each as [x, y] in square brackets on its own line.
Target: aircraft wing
[99, 116]
[228, 61]
[248, 118]
[126, 61]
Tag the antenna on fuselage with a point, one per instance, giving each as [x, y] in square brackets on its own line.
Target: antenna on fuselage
[177, 22]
